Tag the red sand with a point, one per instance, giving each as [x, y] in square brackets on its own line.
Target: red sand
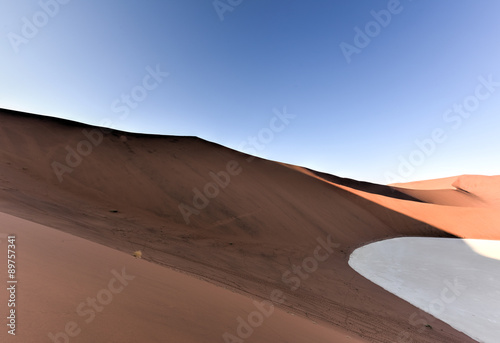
[57, 272]
[126, 194]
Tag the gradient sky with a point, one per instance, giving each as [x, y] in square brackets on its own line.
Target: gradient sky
[227, 78]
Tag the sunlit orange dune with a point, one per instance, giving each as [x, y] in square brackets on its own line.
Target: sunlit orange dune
[464, 191]
[469, 211]
[261, 222]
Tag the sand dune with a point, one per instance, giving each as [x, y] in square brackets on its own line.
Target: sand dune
[134, 300]
[463, 191]
[127, 191]
[460, 213]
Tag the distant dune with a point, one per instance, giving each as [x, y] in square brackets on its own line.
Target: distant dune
[474, 190]
[243, 224]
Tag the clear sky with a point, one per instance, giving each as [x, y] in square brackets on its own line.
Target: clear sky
[374, 90]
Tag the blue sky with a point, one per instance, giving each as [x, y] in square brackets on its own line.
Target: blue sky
[386, 110]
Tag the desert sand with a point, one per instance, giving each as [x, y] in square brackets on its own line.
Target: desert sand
[58, 273]
[123, 192]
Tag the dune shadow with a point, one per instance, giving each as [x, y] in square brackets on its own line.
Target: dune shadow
[364, 186]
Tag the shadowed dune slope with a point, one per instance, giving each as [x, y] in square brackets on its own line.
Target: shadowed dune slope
[263, 220]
